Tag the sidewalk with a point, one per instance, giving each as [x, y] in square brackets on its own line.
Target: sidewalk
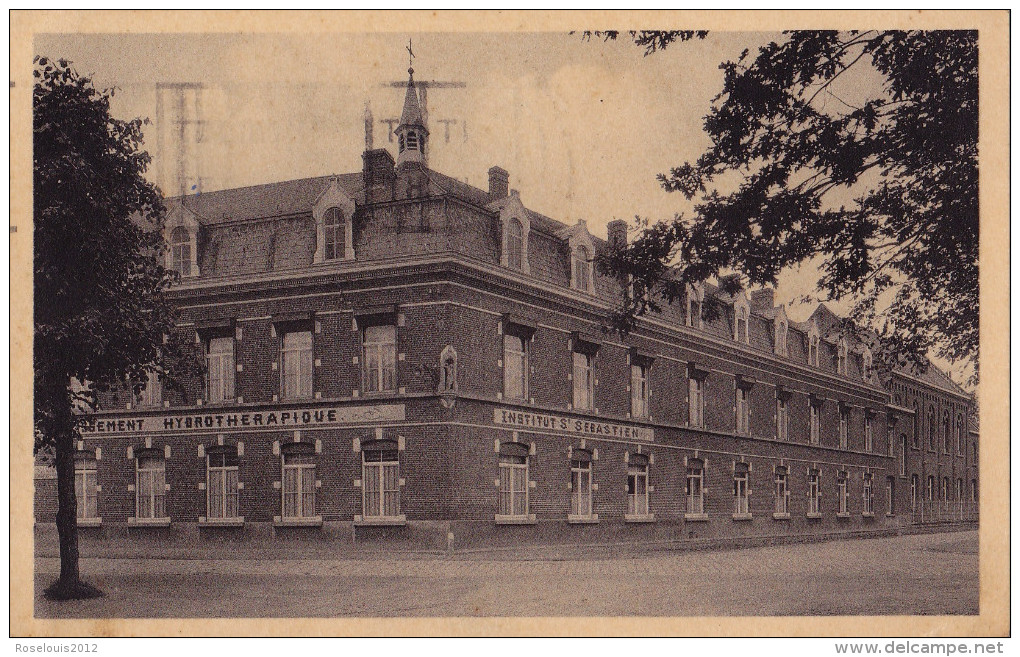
[322, 548]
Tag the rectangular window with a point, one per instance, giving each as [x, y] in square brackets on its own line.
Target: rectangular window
[743, 411]
[782, 420]
[815, 422]
[842, 507]
[637, 489]
[580, 487]
[890, 496]
[868, 436]
[86, 490]
[740, 490]
[298, 483]
[814, 493]
[296, 357]
[584, 381]
[513, 485]
[152, 393]
[379, 344]
[868, 495]
[220, 370]
[515, 366]
[221, 486]
[695, 488]
[696, 399]
[782, 493]
[844, 428]
[381, 483]
[150, 487]
[639, 390]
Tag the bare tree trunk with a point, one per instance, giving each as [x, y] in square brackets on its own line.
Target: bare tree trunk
[67, 504]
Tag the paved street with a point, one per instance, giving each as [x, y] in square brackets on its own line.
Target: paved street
[922, 574]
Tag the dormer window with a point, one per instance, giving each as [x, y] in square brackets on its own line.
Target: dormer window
[841, 357]
[180, 248]
[333, 213]
[334, 230]
[740, 331]
[514, 244]
[868, 362]
[582, 269]
[781, 328]
[695, 299]
[813, 346]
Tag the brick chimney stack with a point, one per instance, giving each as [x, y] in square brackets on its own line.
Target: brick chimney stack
[616, 232]
[499, 183]
[379, 175]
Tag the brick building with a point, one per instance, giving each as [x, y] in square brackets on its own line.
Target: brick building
[395, 354]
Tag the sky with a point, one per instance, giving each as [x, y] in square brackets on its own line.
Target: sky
[582, 127]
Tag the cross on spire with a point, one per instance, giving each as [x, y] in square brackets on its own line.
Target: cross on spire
[410, 58]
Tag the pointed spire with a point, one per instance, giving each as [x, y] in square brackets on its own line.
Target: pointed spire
[411, 115]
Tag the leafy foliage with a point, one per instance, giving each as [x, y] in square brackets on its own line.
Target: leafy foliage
[100, 303]
[856, 151]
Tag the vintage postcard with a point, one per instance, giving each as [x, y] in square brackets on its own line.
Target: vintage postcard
[407, 323]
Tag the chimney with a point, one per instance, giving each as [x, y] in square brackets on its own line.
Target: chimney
[763, 301]
[616, 231]
[379, 174]
[499, 183]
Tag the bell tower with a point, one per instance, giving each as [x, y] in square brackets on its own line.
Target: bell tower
[412, 135]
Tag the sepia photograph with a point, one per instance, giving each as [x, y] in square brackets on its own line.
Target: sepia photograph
[337, 316]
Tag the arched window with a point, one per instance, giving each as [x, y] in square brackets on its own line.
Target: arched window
[932, 427]
[334, 231]
[929, 493]
[180, 250]
[903, 454]
[515, 244]
[582, 268]
[917, 426]
[914, 492]
[946, 429]
[959, 435]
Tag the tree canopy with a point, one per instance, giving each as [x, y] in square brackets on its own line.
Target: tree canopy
[853, 151]
[101, 312]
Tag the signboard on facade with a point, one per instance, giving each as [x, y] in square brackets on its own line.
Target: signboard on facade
[587, 427]
[237, 420]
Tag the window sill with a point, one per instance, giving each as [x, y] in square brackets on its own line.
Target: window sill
[780, 516]
[890, 515]
[696, 517]
[583, 520]
[867, 515]
[90, 522]
[741, 516]
[380, 521]
[516, 520]
[149, 522]
[814, 516]
[634, 518]
[843, 515]
[312, 521]
[221, 522]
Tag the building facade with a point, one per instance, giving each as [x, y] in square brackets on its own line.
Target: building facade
[394, 354]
